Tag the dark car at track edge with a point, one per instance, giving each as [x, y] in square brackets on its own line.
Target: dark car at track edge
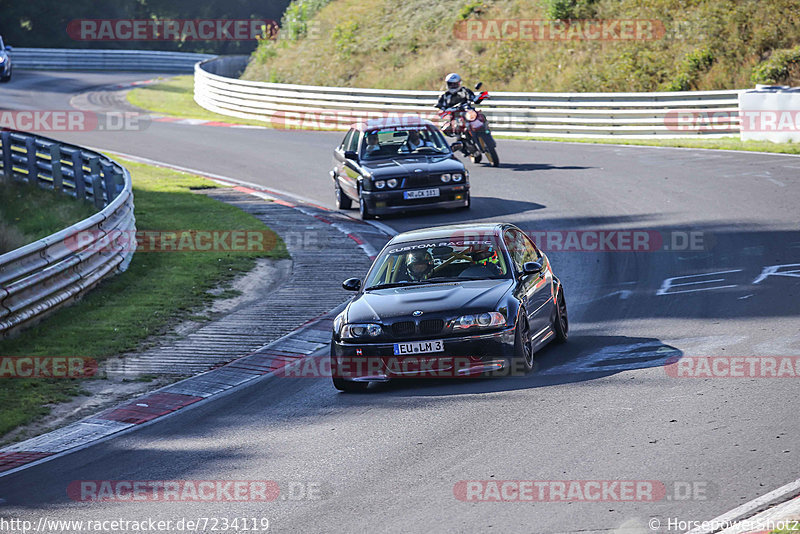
[449, 301]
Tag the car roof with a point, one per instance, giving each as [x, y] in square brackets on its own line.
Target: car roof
[392, 121]
[449, 231]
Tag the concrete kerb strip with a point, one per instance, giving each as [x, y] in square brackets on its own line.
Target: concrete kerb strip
[280, 355]
[750, 509]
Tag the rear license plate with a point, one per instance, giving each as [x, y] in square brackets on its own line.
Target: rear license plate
[418, 347]
[420, 193]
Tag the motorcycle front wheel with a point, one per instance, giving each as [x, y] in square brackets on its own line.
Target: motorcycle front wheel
[491, 152]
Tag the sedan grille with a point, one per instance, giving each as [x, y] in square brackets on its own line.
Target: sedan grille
[431, 326]
[403, 329]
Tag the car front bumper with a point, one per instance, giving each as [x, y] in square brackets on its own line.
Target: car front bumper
[384, 202]
[464, 356]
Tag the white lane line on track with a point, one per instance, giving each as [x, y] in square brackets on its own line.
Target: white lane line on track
[718, 150]
[382, 227]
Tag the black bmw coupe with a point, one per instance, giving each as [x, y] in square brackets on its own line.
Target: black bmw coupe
[450, 301]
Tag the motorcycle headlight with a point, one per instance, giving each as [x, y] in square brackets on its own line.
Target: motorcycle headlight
[471, 115]
[482, 320]
[458, 177]
[392, 182]
[445, 178]
[380, 184]
[360, 330]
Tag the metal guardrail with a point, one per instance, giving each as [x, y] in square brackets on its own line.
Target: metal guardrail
[41, 276]
[615, 115]
[117, 60]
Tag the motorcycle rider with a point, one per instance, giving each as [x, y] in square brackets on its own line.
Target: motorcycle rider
[455, 94]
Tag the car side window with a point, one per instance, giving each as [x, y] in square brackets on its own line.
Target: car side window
[346, 140]
[531, 252]
[354, 141]
[515, 247]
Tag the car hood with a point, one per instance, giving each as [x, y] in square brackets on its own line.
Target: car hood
[435, 300]
[408, 166]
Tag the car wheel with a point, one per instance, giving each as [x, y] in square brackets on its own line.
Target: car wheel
[561, 325]
[343, 202]
[523, 351]
[363, 209]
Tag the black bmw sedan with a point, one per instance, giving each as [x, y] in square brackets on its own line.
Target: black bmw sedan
[450, 301]
[392, 165]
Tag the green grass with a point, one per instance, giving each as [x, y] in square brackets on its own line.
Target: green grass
[791, 529]
[29, 213]
[724, 143]
[175, 97]
[157, 290]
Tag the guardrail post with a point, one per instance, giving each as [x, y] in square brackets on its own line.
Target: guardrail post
[55, 164]
[97, 182]
[77, 173]
[8, 166]
[30, 149]
[109, 181]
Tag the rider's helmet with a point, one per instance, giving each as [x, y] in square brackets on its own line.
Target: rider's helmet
[419, 264]
[453, 81]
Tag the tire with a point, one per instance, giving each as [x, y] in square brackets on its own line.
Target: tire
[491, 152]
[561, 325]
[476, 157]
[523, 351]
[343, 202]
[363, 209]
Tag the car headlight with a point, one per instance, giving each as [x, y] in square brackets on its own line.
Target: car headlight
[457, 177]
[482, 320]
[2, 59]
[380, 184]
[392, 182]
[360, 330]
[445, 178]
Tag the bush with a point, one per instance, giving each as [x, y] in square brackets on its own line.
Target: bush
[781, 68]
[570, 9]
[693, 65]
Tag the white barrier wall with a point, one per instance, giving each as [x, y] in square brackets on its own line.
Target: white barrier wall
[770, 113]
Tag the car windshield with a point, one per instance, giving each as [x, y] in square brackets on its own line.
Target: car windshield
[438, 260]
[398, 141]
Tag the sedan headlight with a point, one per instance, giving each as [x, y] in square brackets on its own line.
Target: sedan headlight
[392, 182]
[482, 320]
[445, 178]
[360, 330]
[380, 184]
[2, 59]
[458, 177]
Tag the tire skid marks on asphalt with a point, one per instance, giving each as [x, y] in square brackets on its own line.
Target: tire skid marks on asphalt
[630, 356]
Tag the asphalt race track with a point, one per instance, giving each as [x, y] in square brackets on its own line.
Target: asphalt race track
[602, 407]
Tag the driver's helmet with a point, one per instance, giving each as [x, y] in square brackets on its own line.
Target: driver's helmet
[419, 264]
[453, 81]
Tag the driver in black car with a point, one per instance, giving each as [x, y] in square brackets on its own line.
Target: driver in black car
[455, 94]
[419, 265]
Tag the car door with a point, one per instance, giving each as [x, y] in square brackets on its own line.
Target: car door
[541, 287]
[524, 291]
[338, 155]
[351, 170]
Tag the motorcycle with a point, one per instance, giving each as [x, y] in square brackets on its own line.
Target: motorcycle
[471, 128]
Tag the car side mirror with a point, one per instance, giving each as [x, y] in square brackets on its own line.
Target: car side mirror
[532, 267]
[350, 154]
[458, 145]
[478, 86]
[9, 48]
[352, 284]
